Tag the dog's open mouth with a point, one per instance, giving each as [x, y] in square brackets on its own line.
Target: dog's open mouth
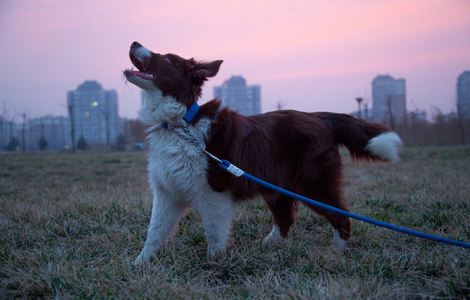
[141, 71]
[146, 76]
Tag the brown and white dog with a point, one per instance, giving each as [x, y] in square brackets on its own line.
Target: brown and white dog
[295, 150]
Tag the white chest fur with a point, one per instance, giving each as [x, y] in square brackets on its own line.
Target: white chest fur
[176, 164]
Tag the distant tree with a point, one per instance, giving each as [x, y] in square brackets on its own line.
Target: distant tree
[82, 143]
[120, 142]
[42, 143]
[13, 145]
[280, 105]
[135, 131]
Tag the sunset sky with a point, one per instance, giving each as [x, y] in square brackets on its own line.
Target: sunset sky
[311, 55]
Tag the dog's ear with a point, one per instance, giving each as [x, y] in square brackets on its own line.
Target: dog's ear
[202, 70]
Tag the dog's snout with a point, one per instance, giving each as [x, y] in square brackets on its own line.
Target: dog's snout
[135, 45]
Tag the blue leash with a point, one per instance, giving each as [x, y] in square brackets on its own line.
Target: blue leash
[227, 166]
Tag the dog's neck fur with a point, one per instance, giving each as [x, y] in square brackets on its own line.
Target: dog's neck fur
[160, 112]
[158, 109]
[165, 114]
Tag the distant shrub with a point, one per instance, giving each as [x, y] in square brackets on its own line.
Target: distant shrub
[42, 143]
[120, 142]
[13, 145]
[82, 143]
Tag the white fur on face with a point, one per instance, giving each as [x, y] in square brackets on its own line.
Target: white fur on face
[142, 53]
[386, 146]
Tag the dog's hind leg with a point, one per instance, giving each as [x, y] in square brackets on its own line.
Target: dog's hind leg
[323, 181]
[341, 228]
[284, 210]
[216, 210]
[167, 211]
[341, 224]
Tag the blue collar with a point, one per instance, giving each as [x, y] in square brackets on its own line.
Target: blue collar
[191, 112]
[188, 116]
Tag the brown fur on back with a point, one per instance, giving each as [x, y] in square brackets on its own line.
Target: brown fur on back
[283, 147]
[294, 150]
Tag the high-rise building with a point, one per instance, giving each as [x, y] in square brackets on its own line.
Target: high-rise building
[463, 95]
[234, 93]
[388, 99]
[94, 113]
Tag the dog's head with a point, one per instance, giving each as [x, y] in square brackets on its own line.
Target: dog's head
[170, 74]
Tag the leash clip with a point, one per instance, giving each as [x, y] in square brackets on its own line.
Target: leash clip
[234, 170]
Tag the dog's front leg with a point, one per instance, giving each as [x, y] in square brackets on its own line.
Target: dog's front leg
[167, 211]
[216, 210]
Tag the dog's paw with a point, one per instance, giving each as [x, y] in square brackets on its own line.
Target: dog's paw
[139, 261]
[215, 252]
[271, 240]
[338, 243]
[273, 237]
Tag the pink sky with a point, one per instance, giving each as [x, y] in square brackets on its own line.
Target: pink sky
[311, 55]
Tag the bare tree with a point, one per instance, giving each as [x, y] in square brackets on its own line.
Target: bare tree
[390, 113]
[461, 123]
[136, 131]
[106, 119]
[23, 134]
[72, 126]
[280, 105]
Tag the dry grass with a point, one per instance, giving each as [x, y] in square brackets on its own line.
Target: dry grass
[71, 225]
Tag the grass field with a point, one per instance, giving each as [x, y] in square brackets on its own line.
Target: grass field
[70, 226]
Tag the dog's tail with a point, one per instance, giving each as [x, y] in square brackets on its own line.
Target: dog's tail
[364, 140]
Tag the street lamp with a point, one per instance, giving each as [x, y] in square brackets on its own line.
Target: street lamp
[359, 101]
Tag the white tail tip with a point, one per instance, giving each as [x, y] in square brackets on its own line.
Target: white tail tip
[386, 146]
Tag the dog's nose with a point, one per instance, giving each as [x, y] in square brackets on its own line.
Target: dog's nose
[135, 45]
